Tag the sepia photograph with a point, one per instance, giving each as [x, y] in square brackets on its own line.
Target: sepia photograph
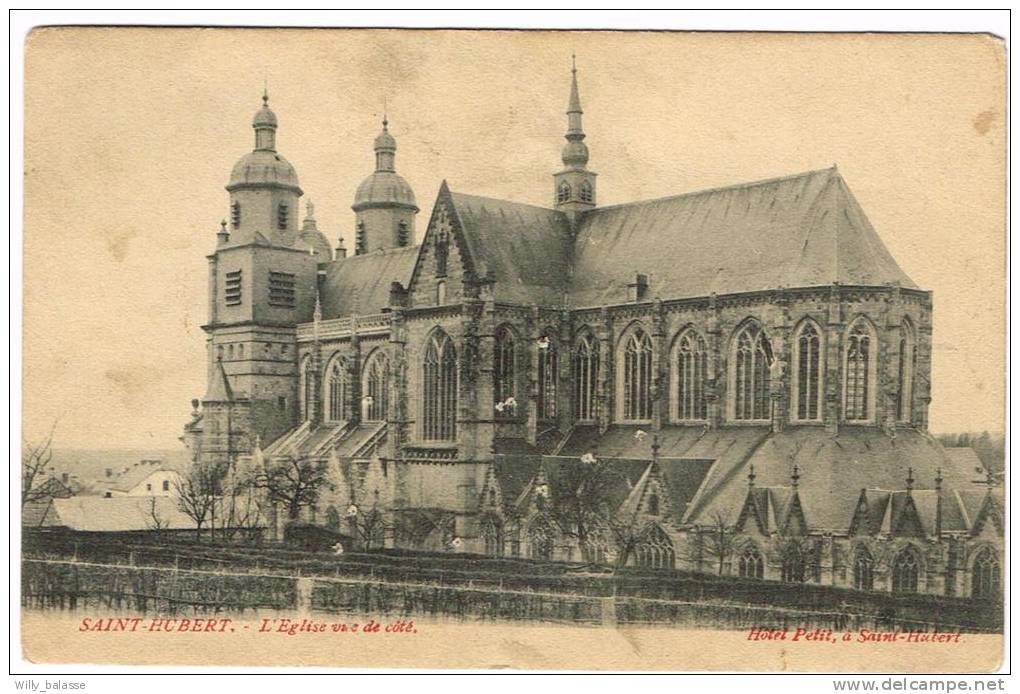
[530, 350]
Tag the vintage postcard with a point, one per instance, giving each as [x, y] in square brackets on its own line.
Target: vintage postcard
[544, 350]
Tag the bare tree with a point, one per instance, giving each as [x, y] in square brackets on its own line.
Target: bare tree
[35, 459]
[197, 493]
[293, 482]
[720, 541]
[369, 526]
[583, 506]
[154, 520]
[628, 530]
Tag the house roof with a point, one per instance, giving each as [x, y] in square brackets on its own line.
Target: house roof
[798, 231]
[132, 476]
[360, 284]
[117, 514]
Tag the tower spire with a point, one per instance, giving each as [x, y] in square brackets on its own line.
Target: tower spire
[575, 185]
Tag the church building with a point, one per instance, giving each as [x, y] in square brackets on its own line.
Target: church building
[750, 362]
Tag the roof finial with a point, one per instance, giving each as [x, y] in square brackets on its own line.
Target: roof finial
[385, 120]
[910, 479]
[309, 210]
[751, 477]
[265, 90]
[573, 62]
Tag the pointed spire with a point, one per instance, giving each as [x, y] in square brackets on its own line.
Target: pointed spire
[575, 97]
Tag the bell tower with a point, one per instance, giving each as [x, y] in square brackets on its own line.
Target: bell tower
[574, 190]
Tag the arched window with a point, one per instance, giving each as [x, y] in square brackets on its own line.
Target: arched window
[793, 564]
[440, 292]
[637, 376]
[548, 377]
[586, 373]
[336, 390]
[807, 370]
[690, 373]
[593, 548]
[905, 571]
[307, 387]
[984, 578]
[656, 552]
[750, 563]
[751, 379]
[439, 391]
[541, 538]
[376, 387]
[905, 380]
[492, 533]
[403, 234]
[563, 193]
[586, 192]
[503, 372]
[860, 370]
[864, 569]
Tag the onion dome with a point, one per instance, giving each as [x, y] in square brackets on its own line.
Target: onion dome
[263, 166]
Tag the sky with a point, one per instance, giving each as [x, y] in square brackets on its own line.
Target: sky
[130, 136]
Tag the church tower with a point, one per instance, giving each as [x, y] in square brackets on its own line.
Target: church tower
[574, 191]
[262, 278]
[384, 205]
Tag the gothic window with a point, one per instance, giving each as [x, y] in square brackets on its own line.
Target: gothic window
[586, 372]
[336, 390]
[752, 359]
[984, 580]
[793, 564]
[864, 569]
[563, 193]
[808, 372]
[281, 216]
[750, 563]
[593, 549]
[905, 571]
[503, 369]
[541, 538]
[548, 378]
[307, 387]
[637, 376]
[439, 381]
[440, 292]
[691, 371]
[376, 387]
[586, 193]
[905, 376]
[656, 552]
[360, 239]
[492, 532]
[403, 234]
[235, 214]
[442, 252]
[860, 372]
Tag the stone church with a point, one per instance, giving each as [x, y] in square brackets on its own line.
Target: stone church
[750, 362]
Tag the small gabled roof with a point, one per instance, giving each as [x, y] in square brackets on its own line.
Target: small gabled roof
[117, 514]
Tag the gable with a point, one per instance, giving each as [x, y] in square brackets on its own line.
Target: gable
[444, 256]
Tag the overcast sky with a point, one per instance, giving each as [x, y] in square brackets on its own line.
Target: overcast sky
[131, 135]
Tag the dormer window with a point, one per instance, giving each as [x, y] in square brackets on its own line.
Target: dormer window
[235, 214]
[638, 288]
[281, 216]
[563, 194]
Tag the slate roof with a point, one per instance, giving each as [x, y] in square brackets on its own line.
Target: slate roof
[799, 231]
[360, 284]
[966, 461]
[132, 476]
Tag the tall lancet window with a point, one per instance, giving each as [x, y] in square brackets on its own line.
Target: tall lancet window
[637, 376]
[808, 372]
[907, 361]
[306, 387]
[586, 373]
[691, 370]
[860, 372]
[439, 389]
[751, 378]
[376, 387]
[336, 389]
[548, 377]
[503, 371]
